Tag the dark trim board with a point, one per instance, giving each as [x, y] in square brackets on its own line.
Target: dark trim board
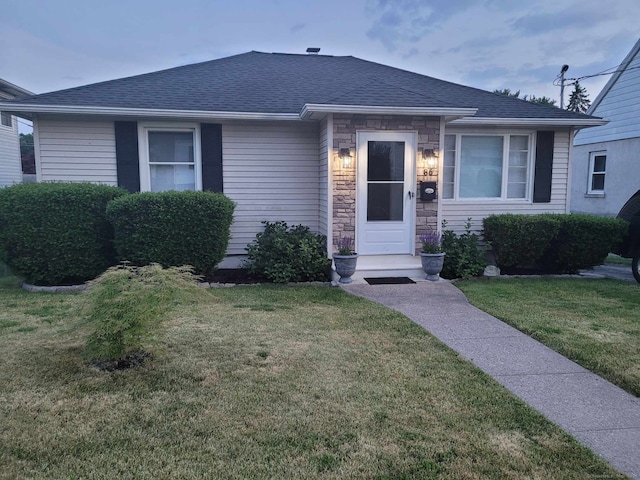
[544, 167]
[127, 161]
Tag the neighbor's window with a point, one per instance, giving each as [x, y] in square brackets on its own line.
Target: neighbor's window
[597, 171]
[6, 119]
[171, 160]
[486, 166]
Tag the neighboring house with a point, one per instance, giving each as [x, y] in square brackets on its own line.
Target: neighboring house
[335, 143]
[10, 163]
[606, 159]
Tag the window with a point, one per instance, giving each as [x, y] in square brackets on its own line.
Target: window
[486, 166]
[6, 120]
[169, 159]
[597, 172]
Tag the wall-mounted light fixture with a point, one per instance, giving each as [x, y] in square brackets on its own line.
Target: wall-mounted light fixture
[345, 155]
[430, 160]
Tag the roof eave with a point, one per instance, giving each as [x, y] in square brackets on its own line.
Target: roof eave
[314, 111]
[13, 89]
[144, 112]
[530, 122]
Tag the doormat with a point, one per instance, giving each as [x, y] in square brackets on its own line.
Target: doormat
[389, 281]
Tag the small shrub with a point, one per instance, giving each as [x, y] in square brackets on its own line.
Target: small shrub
[283, 254]
[172, 228]
[520, 240]
[126, 306]
[464, 258]
[57, 233]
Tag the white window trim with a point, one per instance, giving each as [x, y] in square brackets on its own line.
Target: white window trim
[505, 134]
[143, 149]
[592, 158]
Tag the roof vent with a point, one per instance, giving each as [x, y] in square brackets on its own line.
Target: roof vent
[313, 50]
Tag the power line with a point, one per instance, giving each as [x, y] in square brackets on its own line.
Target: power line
[604, 72]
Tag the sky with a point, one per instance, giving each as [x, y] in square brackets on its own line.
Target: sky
[489, 44]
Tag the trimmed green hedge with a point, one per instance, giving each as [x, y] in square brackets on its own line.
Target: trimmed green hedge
[172, 228]
[520, 240]
[57, 233]
[558, 243]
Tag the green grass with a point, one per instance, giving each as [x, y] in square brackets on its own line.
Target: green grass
[264, 382]
[614, 259]
[596, 323]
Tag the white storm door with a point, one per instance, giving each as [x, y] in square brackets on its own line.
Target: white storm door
[385, 197]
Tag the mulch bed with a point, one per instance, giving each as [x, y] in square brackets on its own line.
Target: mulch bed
[234, 275]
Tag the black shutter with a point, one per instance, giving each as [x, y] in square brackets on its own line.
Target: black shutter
[127, 155]
[544, 167]
[211, 146]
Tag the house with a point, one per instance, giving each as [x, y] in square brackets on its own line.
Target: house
[10, 163]
[336, 143]
[606, 159]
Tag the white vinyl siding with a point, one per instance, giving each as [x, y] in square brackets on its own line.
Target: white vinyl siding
[621, 106]
[622, 178]
[271, 172]
[456, 212]
[323, 157]
[76, 151]
[10, 164]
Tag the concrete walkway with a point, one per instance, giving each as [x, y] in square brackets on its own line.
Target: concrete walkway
[600, 415]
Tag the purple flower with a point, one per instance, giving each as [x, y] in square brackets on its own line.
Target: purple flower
[345, 245]
[431, 242]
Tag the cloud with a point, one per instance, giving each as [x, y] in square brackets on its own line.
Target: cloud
[408, 21]
[567, 19]
[297, 27]
[411, 53]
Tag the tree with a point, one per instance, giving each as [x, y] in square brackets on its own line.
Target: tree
[528, 98]
[579, 99]
[27, 153]
[507, 92]
[26, 144]
[541, 100]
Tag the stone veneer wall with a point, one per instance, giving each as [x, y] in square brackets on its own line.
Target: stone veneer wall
[344, 180]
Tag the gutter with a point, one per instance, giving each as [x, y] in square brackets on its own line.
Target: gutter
[310, 108]
[144, 112]
[529, 122]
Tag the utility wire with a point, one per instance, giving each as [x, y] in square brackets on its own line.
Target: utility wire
[604, 72]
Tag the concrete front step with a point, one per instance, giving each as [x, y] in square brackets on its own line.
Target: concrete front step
[376, 266]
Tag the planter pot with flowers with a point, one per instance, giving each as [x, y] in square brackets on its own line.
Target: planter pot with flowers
[432, 255]
[345, 260]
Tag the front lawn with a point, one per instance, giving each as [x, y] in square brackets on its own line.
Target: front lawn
[596, 323]
[264, 382]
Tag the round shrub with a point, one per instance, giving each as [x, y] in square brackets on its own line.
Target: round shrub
[57, 233]
[172, 228]
[282, 254]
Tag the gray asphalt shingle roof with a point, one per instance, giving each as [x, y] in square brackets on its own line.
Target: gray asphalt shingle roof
[284, 83]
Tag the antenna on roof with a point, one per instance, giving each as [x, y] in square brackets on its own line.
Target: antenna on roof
[313, 50]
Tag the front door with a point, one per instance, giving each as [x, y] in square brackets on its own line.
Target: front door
[385, 198]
